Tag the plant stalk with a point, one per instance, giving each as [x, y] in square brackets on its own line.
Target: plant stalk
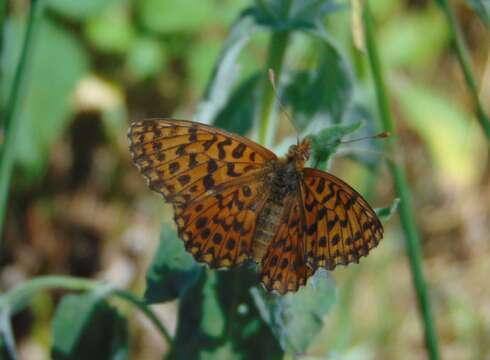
[8, 125]
[16, 298]
[277, 50]
[461, 51]
[412, 238]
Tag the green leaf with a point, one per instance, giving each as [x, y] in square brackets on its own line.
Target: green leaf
[482, 8]
[172, 271]
[79, 10]
[7, 341]
[46, 106]
[175, 16]
[86, 327]
[226, 70]
[111, 31]
[387, 212]
[292, 15]
[295, 319]
[146, 58]
[238, 114]
[323, 92]
[369, 151]
[325, 142]
[217, 317]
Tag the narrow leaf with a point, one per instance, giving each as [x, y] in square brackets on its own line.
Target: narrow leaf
[7, 341]
[385, 213]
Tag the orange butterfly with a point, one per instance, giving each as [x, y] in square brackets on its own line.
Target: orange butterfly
[235, 200]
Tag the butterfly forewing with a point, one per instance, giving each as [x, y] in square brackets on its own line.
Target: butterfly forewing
[214, 180]
[340, 225]
[183, 160]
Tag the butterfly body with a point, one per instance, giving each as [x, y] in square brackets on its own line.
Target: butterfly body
[283, 180]
[235, 200]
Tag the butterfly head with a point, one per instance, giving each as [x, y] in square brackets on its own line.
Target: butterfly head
[300, 152]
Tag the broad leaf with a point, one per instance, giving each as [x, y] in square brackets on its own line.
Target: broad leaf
[238, 114]
[324, 92]
[368, 152]
[226, 70]
[86, 327]
[218, 320]
[173, 269]
[45, 106]
[283, 15]
[296, 318]
[325, 142]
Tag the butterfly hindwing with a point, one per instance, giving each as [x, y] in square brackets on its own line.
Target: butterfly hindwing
[219, 228]
[283, 266]
[340, 225]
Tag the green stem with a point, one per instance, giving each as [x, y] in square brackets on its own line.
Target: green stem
[277, 49]
[3, 11]
[20, 295]
[465, 64]
[8, 125]
[412, 239]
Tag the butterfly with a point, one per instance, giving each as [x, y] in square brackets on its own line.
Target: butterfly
[234, 200]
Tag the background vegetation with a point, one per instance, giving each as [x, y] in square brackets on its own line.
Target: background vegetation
[90, 265]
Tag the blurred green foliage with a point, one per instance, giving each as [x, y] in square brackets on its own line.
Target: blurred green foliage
[85, 326]
[56, 66]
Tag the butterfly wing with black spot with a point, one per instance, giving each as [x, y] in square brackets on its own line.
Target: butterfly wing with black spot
[219, 229]
[340, 226]
[212, 178]
[183, 160]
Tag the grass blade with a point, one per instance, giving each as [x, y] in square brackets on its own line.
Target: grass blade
[465, 64]
[9, 126]
[412, 238]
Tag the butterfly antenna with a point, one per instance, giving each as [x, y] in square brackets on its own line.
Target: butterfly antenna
[281, 105]
[381, 135]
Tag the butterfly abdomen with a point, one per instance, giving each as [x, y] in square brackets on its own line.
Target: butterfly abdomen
[283, 183]
[267, 224]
